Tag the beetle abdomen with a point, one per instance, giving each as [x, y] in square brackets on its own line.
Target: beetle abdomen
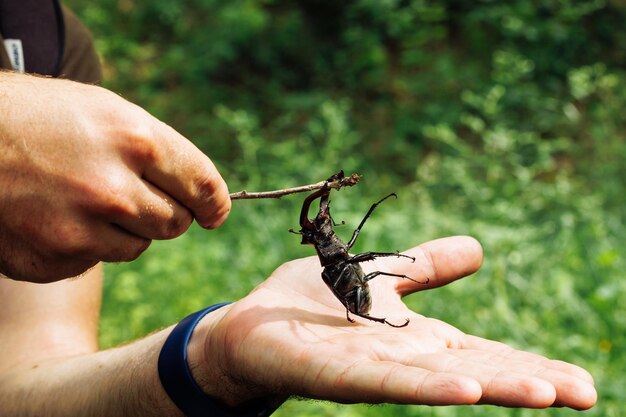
[346, 282]
[362, 300]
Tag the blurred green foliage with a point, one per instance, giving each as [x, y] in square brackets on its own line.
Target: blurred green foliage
[503, 120]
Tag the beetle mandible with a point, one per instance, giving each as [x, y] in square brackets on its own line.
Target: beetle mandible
[342, 272]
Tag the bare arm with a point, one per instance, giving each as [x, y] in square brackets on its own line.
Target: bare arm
[49, 358]
[233, 352]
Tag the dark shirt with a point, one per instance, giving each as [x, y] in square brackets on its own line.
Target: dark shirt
[39, 25]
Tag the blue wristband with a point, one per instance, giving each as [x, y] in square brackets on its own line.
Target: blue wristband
[180, 386]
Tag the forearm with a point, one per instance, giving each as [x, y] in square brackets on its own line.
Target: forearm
[49, 359]
[122, 381]
[115, 382]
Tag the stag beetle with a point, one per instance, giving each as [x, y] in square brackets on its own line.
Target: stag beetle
[342, 272]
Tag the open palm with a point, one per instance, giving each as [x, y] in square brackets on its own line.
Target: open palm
[290, 336]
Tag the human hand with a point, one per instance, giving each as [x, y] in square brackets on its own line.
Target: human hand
[290, 336]
[87, 176]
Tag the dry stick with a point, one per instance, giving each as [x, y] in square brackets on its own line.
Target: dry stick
[337, 184]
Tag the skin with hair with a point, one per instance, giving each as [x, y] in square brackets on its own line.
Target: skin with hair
[280, 340]
[87, 176]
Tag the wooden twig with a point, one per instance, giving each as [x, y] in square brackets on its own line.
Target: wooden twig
[337, 184]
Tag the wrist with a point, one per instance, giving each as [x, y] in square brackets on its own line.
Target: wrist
[212, 394]
[203, 359]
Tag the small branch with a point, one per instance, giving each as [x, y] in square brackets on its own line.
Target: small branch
[337, 184]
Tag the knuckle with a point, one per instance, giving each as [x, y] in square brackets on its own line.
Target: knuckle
[212, 202]
[108, 195]
[163, 219]
[176, 226]
[119, 208]
[207, 186]
[135, 131]
[139, 142]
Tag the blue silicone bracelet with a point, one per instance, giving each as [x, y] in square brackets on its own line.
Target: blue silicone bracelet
[179, 384]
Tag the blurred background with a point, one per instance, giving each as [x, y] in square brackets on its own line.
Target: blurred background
[502, 120]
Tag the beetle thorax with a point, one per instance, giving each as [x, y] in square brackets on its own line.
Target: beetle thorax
[330, 249]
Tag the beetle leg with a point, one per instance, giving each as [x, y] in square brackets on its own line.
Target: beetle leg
[369, 256]
[350, 319]
[369, 213]
[345, 304]
[381, 320]
[367, 316]
[335, 224]
[398, 325]
[374, 274]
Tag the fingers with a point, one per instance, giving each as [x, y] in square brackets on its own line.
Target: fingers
[76, 250]
[499, 384]
[573, 385]
[113, 244]
[513, 378]
[84, 240]
[474, 342]
[152, 214]
[438, 263]
[378, 382]
[182, 171]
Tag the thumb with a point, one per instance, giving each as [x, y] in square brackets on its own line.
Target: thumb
[438, 263]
